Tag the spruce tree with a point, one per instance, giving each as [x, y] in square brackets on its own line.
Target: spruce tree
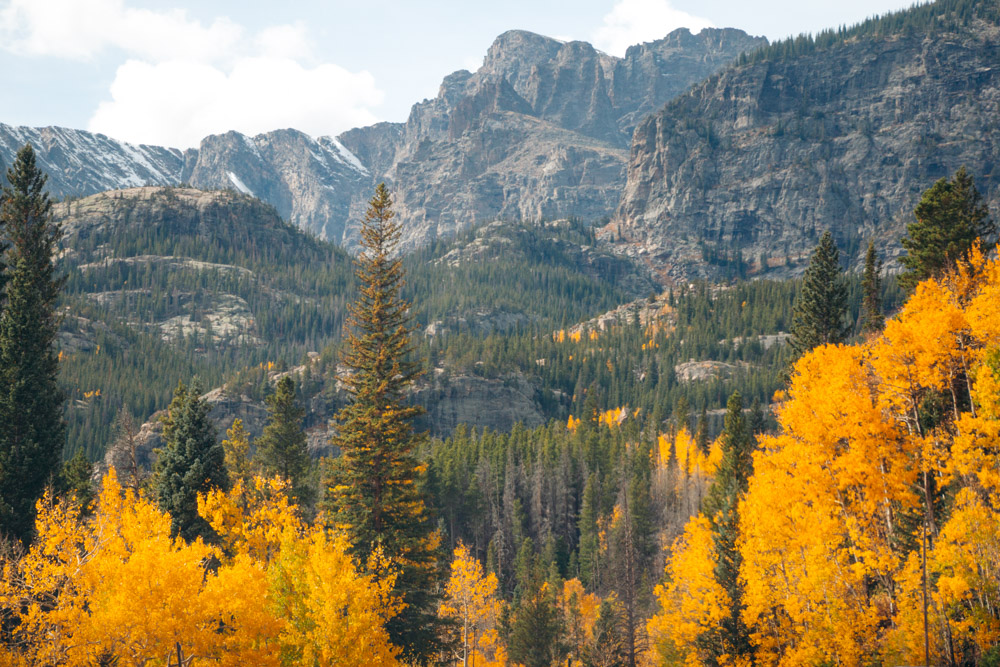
[872, 319]
[236, 448]
[191, 462]
[373, 490]
[950, 217]
[821, 306]
[701, 431]
[608, 648]
[32, 431]
[75, 479]
[732, 637]
[281, 448]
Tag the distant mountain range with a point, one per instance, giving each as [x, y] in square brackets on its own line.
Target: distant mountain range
[541, 130]
[701, 155]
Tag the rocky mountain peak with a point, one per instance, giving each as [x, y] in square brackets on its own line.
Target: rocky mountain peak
[515, 53]
[539, 131]
[747, 170]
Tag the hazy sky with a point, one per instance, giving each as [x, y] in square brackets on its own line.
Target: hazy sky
[171, 72]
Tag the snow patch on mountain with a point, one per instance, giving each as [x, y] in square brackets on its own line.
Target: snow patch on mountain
[345, 156]
[240, 185]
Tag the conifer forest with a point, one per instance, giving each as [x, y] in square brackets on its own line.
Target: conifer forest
[724, 420]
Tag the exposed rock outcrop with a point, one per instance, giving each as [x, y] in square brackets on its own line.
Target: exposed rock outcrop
[538, 132]
[765, 156]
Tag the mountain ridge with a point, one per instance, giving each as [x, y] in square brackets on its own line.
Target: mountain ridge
[843, 132]
[508, 141]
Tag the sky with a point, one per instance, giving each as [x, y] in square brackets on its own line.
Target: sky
[173, 71]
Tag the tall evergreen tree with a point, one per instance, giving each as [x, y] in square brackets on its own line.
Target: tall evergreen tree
[373, 490]
[236, 447]
[821, 306]
[732, 637]
[701, 431]
[608, 648]
[32, 431]
[872, 319]
[281, 448]
[589, 534]
[75, 479]
[191, 462]
[950, 217]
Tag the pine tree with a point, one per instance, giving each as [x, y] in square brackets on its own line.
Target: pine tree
[949, 218]
[872, 319]
[535, 632]
[236, 447]
[589, 538]
[701, 430]
[281, 448]
[608, 649]
[74, 479]
[373, 490]
[32, 431]
[124, 451]
[732, 637]
[821, 306]
[191, 462]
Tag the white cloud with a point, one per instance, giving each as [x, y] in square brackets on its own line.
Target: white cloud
[635, 21]
[184, 79]
[285, 41]
[177, 103]
[83, 29]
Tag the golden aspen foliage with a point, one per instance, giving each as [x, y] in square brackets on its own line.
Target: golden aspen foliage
[885, 444]
[691, 602]
[471, 599]
[116, 588]
[120, 587]
[333, 615]
[253, 519]
[580, 611]
[329, 613]
[817, 520]
[613, 417]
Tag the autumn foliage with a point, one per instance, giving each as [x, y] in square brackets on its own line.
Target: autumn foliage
[884, 446]
[116, 588]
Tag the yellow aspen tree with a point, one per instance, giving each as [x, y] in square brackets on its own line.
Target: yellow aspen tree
[691, 602]
[116, 588]
[580, 612]
[471, 599]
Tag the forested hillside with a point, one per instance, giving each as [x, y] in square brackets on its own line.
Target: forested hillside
[171, 283]
[753, 420]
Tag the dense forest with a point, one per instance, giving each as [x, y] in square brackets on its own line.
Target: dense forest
[798, 472]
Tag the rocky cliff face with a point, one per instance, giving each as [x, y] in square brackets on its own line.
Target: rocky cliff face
[764, 157]
[82, 163]
[538, 132]
[311, 182]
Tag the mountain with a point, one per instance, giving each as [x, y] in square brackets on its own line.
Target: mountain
[168, 283]
[539, 131]
[164, 284]
[82, 163]
[842, 132]
[310, 182]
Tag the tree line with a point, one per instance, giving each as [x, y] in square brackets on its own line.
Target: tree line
[556, 536]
